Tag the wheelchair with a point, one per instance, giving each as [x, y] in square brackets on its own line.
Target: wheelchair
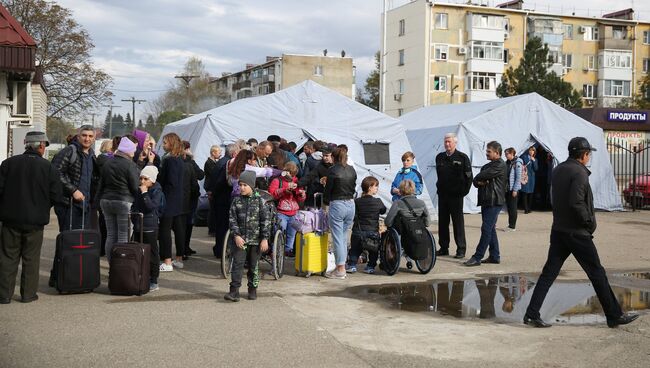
[391, 251]
[274, 256]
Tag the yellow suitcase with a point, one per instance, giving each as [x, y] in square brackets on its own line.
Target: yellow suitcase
[311, 253]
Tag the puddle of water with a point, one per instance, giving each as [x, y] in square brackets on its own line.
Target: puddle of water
[505, 298]
[634, 275]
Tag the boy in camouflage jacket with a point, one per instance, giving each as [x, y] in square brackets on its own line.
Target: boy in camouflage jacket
[250, 226]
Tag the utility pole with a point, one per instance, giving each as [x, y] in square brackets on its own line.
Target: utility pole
[187, 79]
[93, 118]
[110, 122]
[133, 101]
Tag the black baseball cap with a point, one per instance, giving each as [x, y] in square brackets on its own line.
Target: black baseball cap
[580, 144]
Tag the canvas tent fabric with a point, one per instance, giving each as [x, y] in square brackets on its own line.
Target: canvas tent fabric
[299, 113]
[519, 122]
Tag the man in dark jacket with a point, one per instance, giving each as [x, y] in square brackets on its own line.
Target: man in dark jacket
[29, 187]
[209, 166]
[314, 181]
[574, 222]
[491, 184]
[454, 171]
[220, 198]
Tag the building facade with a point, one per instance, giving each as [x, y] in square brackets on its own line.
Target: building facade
[333, 72]
[438, 53]
[23, 102]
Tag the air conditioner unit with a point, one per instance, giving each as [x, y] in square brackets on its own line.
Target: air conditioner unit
[462, 50]
[397, 97]
[589, 102]
[582, 29]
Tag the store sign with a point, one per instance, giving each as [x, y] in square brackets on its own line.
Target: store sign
[626, 116]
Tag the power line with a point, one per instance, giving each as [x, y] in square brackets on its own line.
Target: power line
[133, 101]
[133, 91]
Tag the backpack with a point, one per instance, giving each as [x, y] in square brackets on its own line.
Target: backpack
[524, 175]
[414, 235]
[73, 154]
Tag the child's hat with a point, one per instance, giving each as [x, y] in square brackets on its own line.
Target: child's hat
[248, 177]
[150, 172]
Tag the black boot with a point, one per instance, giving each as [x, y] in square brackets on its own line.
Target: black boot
[233, 295]
[252, 293]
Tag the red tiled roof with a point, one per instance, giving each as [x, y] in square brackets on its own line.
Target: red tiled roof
[12, 33]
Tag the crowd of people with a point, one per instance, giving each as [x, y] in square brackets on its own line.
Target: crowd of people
[129, 176]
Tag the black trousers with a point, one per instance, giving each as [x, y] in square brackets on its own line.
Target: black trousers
[167, 224]
[150, 237]
[221, 228]
[356, 249]
[17, 245]
[103, 232]
[212, 220]
[527, 199]
[511, 205]
[251, 253]
[583, 249]
[451, 207]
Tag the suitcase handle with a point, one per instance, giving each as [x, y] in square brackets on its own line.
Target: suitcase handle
[141, 215]
[318, 195]
[83, 213]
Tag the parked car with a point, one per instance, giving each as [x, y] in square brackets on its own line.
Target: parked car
[641, 194]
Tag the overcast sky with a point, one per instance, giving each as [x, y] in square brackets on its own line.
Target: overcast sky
[142, 44]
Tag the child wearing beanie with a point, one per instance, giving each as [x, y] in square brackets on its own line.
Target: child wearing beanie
[150, 203]
[250, 228]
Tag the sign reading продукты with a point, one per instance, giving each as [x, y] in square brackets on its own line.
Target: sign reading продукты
[627, 116]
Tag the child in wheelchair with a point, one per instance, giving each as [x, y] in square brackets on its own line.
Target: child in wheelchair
[365, 230]
[288, 195]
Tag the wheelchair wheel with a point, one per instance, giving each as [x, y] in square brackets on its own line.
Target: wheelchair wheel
[391, 252]
[277, 263]
[426, 265]
[226, 256]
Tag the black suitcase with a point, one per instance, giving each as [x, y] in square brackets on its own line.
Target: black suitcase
[77, 259]
[129, 268]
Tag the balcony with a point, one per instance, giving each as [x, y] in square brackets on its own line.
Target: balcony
[240, 85]
[474, 95]
[615, 38]
[268, 78]
[485, 65]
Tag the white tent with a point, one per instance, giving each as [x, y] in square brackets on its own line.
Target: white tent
[517, 122]
[300, 113]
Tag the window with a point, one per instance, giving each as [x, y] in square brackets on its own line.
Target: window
[318, 70]
[441, 21]
[401, 57]
[646, 65]
[617, 88]
[588, 91]
[591, 33]
[487, 21]
[440, 83]
[20, 98]
[263, 89]
[377, 153]
[555, 57]
[567, 61]
[616, 59]
[590, 62]
[441, 52]
[506, 24]
[646, 37]
[506, 57]
[568, 31]
[400, 86]
[487, 50]
[402, 27]
[400, 112]
[619, 32]
[483, 81]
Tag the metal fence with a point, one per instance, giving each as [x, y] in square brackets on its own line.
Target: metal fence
[631, 163]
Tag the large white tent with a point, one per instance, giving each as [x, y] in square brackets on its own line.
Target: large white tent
[518, 122]
[300, 113]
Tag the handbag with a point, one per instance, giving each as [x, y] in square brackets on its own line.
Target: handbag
[369, 242]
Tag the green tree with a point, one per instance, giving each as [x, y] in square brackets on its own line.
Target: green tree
[532, 76]
[168, 117]
[370, 95]
[73, 83]
[58, 129]
[640, 100]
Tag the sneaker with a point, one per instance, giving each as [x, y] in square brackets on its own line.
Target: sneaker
[335, 275]
[369, 270]
[153, 287]
[177, 264]
[509, 230]
[350, 268]
[164, 267]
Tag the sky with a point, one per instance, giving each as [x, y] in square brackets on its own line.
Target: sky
[142, 44]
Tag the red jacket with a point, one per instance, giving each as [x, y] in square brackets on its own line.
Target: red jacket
[287, 199]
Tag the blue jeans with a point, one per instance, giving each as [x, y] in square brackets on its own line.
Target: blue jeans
[489, 215]
[116, 216]
[285, 224]
[341, 217]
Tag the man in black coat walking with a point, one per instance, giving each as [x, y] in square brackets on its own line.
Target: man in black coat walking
[574, 222]
[29, 187]
[454, 171]
[220, 198]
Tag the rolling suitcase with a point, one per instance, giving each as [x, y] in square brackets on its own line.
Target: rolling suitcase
[311, 253]
[76, 263]
[129, 268]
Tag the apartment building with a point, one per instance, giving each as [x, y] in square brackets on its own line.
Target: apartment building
[440, 53]
[276, 73]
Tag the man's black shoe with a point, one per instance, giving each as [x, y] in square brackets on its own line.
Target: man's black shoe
[233, 295]
[190, 251]
[29, 300]
[442, 252]
[622, 320]
[472, 262]
[535, 322]
[51, 282]
[459, 255]
[252, 293]
[491, 260]
[5, 300]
